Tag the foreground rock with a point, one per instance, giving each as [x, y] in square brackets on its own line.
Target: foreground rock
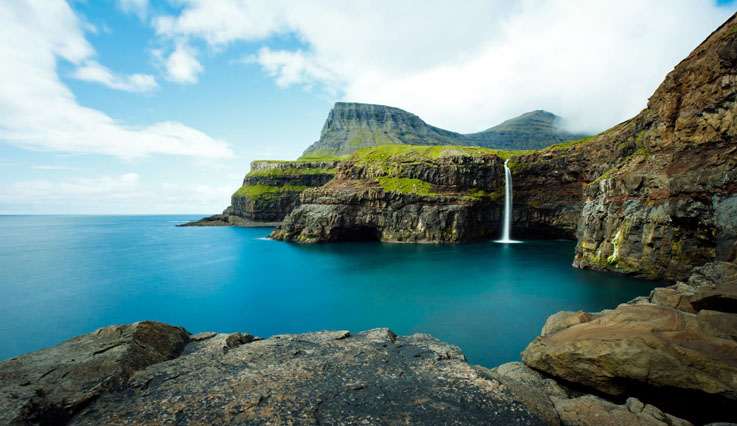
[560, 405]
[53, 384]
[675, 349]
[144, 374]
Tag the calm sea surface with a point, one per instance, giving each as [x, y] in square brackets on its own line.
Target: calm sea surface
[61, 276]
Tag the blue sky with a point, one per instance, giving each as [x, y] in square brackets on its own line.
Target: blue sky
[140, 106]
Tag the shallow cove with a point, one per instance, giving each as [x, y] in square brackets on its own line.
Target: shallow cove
[61, 276]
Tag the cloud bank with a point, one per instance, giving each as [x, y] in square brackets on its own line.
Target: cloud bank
[38, 111]
[465, 65]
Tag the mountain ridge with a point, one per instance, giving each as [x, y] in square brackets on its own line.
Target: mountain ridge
[351, 126]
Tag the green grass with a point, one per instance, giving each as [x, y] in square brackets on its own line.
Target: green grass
[405, 185]
[318, 156]
[419, 153]
[569, 144]
[263, 192]
[477, 194]
[293, 172]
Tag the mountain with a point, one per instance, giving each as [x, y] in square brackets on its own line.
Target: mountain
[532, 130]
[351, 126]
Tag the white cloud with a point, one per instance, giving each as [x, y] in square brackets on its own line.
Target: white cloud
[181, 66]
[290, 68]
[95, 72]
[137, 7]
[38, 111]
[466, 65]
[124, 193]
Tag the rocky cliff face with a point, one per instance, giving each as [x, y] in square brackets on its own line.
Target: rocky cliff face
[404, 194]
[671, 204]
[270, 191]
[351, 126]
[654, 196]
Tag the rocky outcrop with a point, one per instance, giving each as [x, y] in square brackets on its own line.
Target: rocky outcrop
[52, 385]
[144, 374]
[558, 404]
[675, 349]
[270, 191]
[403, 194]
[672, 204]
[351, 126]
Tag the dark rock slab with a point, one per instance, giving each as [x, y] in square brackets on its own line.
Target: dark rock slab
[144, 374]
[51, 385]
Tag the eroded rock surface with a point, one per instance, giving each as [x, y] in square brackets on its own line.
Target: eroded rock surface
[51, 385]
[144, 374]
[270, 191]
[667, 349]
[671, 204]
[404, 194]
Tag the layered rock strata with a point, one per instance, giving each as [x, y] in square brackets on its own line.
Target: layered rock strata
[403, 194]
[270, 191]
[672, 205]
[676, 349]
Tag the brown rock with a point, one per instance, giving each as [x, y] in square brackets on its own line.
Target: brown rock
[565, 319]
[590, 410]
[645, 348]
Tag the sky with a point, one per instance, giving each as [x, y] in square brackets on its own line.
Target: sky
[158, 107]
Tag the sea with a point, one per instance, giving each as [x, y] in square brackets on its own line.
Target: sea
[62, 276]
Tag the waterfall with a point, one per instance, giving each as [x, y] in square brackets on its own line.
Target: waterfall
[507, 225]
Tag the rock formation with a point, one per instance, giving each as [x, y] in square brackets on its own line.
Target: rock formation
[676, 349]
[671, 204]
[351, 126]
[270, 191]
[151, 373]
[403, 193]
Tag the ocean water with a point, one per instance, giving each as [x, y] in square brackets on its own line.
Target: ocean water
[61, 276]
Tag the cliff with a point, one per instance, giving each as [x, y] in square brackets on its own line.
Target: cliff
[671, 204]
[270, 191]
[653, 196]
[403, 193]
[351, 126]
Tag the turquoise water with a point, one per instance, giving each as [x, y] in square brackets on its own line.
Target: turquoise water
[61, 276]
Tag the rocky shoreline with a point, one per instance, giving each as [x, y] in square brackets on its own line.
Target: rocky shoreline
[666, 359]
